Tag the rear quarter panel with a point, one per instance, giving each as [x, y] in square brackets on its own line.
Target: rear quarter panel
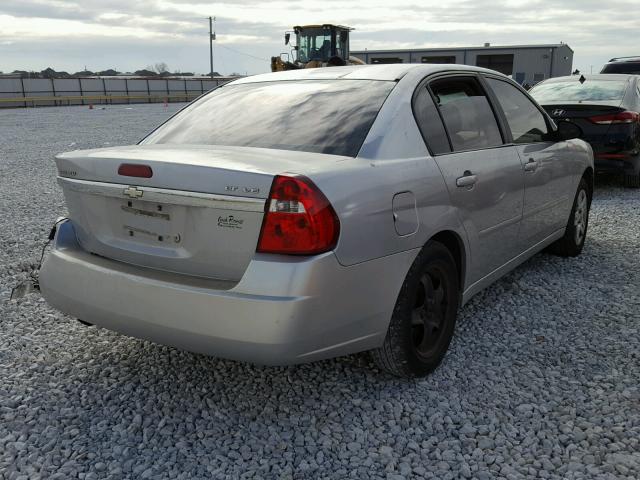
[362, 195]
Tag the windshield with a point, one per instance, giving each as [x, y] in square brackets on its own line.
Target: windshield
[327, 116]
[574, 91]
[314, 44]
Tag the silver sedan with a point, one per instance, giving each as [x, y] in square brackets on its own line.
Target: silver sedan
[296, 216]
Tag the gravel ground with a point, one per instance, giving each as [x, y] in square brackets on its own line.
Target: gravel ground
[541, 380]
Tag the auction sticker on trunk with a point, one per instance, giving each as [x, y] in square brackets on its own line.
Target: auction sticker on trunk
[229, 221]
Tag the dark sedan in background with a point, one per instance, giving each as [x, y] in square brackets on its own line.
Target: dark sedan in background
[628, 65]
[606, 108]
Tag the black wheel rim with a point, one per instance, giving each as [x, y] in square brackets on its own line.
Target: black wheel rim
[429, 314]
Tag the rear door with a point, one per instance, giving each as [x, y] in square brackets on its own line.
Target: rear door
[482, 173]
[547, 176]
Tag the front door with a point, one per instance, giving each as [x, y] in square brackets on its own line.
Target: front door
[548, 188]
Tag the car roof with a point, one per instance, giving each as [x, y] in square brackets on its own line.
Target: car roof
[599, 76]
[389, 72]
[625, 60]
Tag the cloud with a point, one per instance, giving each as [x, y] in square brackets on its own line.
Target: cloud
[71, 33]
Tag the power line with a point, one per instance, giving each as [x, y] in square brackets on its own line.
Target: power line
[243, 53]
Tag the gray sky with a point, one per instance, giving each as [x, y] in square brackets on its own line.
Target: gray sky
[131, 34]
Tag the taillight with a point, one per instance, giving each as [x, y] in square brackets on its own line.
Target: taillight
[135, 170]
[612, 156]
[298, 219]
[616, 118]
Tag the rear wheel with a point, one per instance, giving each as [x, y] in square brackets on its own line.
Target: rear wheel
[571, 244]
[424, 317]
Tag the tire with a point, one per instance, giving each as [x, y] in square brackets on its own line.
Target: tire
[571, 244]
[632, 181]
[424, 316]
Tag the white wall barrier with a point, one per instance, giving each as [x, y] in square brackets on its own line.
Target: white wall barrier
[31, 92]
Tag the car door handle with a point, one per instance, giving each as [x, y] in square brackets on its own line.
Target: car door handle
[467, 180]
[531, 165]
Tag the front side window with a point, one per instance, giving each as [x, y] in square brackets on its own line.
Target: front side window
[526, 122]
[323, 116]
[467, 114]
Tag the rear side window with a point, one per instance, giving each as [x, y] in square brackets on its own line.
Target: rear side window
[526, 122]
[467, 114]
[323, 116]
[429, 122]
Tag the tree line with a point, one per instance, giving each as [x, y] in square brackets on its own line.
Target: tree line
[160, 69]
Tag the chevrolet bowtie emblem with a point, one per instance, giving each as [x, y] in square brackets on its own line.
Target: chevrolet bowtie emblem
[133, 192]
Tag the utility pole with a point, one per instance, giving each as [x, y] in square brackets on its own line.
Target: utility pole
[212, 37]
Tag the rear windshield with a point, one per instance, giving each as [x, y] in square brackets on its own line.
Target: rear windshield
[574, 91]
[323, 116]
[630, 68]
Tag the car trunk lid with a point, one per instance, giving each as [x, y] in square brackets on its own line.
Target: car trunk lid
[598, 135]
[582, 110]
[199, 213]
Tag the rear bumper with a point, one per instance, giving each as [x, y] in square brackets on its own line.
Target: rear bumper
[284, 310]
[629, 165]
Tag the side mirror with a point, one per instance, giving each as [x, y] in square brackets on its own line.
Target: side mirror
[287, 37]
[568, 131]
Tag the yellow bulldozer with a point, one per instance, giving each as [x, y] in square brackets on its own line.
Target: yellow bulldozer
[316, 46]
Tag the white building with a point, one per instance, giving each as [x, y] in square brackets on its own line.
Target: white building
[524, 63]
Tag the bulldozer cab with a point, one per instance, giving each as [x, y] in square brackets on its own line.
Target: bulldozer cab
[321, 42]
[316, 46]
